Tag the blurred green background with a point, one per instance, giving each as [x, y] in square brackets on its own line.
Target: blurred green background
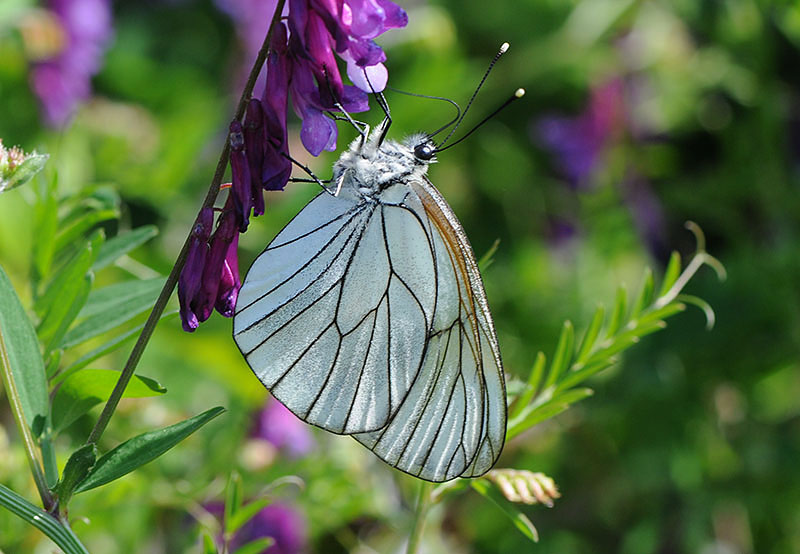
[638, 116]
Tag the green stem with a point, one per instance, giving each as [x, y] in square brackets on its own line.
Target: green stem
[31, 449]
[421, 513]
[172, 279]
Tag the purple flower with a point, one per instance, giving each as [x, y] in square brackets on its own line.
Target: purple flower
[579, 142]
[62, 82]
[281, 428]
[302, 62]
[189, 283]
[284, 524]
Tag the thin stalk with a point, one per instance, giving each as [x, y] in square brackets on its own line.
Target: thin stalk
[31, 450]
[423, 505]
[172, 279]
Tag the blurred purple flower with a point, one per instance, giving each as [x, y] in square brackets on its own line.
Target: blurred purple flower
[63, 81]
[281, 428]
[279, 521]
[579, 142]
[284, 524]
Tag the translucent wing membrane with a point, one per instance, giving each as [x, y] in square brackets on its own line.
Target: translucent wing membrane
[368, 317]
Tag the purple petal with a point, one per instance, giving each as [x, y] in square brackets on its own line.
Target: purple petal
[190, 280]
[241, 189]
[395, 18]
[318, 133]
[229, 280]
[367, 18]
[219, 244]
[365, 52]
[372, 78]
[254, 145]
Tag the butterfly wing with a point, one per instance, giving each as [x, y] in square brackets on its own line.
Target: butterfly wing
[452, 422]
[332, 316]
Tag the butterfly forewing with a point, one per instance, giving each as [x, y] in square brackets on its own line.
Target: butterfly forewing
[333, 317]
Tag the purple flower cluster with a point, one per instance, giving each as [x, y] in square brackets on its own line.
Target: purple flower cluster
[63, 81]
[284, 524]
[301, 66]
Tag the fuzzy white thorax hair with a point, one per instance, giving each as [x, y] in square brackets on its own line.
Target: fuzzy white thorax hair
[369, 167]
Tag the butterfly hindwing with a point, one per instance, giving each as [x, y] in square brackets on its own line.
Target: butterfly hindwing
[452, 422]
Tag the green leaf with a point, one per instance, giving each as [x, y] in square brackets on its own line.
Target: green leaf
[65, 284]
[256, 547]
[208, 543]
[645, 294]
[86, 388]
[27, 366]
[545, 411]
[47, 524]
[45, 225]
[534, 379]
[578, 376]
[104, 349]
[618, 315]
[671, 274]
[563, 354]
[520, 520]
[233, 499]
[111, 306]
[142, 449]
[74, 308]
[245, 513]
[24, 172]
[75, 471]
[120, 245]
[84, 224]
[661, 313]
[591, 335]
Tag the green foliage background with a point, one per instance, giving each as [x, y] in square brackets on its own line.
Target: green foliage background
[691, 444]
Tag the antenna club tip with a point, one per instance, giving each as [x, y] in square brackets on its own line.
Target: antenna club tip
[520, 92]
[504, 47]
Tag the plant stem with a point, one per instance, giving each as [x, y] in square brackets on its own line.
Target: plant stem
[172, 279]
[31, 449]
[423, 505]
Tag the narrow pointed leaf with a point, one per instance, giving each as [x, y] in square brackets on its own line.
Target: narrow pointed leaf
[618, 315]
[591, 335]
[563, 355]
[111, 306]
[89, 387]
[46, 225]
[520, 520]
[578, 376]
[103, 349]
[534, 379]
[645, 294]
[120, 245]
[62, 289]
[27, 366]
[671, 274]
[256, 547]
[84, 224]
[142, 449]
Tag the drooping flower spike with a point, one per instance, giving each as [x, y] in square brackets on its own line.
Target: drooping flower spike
[302, 65]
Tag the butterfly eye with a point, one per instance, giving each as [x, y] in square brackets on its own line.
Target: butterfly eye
[424, 151]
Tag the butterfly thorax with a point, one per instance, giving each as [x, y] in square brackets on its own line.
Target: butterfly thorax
[369, 167]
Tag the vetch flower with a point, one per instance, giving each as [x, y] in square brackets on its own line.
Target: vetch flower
[190, 280]
[302, 63]
[64, 80]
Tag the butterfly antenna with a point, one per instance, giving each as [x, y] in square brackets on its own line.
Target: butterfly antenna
[519, 93]
[443, 127]
[384, 105]
[503, 50]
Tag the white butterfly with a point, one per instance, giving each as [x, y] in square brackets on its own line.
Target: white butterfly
[367, 316]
